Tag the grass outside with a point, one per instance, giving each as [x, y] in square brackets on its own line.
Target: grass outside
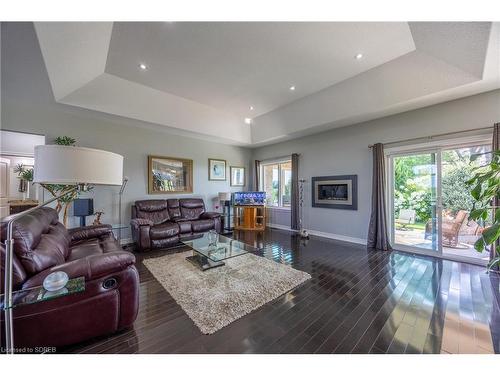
[416, 226]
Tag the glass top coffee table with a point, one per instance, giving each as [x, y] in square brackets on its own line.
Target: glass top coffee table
[207, 256]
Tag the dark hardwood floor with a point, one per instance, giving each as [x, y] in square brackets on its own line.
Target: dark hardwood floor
[358, 301]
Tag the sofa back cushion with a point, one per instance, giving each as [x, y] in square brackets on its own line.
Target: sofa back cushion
[18, 272]
[40, 240]
[191, 208]
[174, 208]
[152, 209]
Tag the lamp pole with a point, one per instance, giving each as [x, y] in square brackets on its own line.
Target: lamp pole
[125, 180]
[9, 254]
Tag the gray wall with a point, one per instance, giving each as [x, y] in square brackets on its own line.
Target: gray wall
[28, 105]
[345, 151]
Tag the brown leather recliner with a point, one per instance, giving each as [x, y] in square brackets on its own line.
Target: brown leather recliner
[160, 223]
[111, 298]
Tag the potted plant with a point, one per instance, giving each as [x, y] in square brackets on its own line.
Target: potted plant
[25, 175]
[486, 193]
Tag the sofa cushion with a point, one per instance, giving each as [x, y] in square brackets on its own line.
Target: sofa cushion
[81, 250]
[94, 246]
[152, 209]
[184, 226]
[164, 242]
[40, 241]
[164, 230]
[192, 208]
[202, 225]
[18, 273]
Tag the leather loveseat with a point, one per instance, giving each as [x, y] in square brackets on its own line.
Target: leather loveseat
[160, 223]
[111, 298]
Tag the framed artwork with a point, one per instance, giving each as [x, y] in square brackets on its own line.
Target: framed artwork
[216, 170]
[168, 175]
[237, 176]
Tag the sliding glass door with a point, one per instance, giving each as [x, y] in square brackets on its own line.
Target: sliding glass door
[415, 200]
[458, 232]
[429, 202]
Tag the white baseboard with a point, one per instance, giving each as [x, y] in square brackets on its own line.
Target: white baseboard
[313, 232]
[339, 237]
[279, 226]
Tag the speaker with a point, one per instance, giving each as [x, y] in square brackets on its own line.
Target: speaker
[83, 207]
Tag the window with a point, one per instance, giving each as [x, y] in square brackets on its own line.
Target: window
[276, 180]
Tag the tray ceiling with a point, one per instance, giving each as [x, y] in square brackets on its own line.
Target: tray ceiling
[203, 77]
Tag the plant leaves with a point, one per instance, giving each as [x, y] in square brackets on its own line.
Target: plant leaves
[476, 214]
[476, 192]
[479, 245]
[491, 234]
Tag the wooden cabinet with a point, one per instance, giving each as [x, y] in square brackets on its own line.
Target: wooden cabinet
[250, 217]
[19, 206]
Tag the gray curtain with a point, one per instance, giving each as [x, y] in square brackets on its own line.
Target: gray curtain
[378, 235]
[257, 175]
[496, 202]
[294, 193]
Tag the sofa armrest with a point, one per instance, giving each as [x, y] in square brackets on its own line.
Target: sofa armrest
[91, 267]
[210, 215]
[138, 222]
[140, 232]
[91, 231]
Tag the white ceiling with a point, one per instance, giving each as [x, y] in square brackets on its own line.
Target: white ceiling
[203, 77]
[232, 66]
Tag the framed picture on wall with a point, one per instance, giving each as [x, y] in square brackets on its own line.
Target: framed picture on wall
[168, 175]
[216, 170]
[237, 176]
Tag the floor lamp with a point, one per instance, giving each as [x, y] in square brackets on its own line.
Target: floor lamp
[122, 188]
[65, 165]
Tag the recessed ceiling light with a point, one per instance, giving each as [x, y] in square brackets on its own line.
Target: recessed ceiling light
[292, 88]
[143, 66]
[251, 108]
[248, 120]
[358, 56]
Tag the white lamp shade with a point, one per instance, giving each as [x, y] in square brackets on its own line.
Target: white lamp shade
[68, 165]
[224, 196]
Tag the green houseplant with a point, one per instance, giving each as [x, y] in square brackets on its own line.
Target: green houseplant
[486, 193]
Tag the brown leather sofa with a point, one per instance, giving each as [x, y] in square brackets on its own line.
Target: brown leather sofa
[111, 298]
[160, 223]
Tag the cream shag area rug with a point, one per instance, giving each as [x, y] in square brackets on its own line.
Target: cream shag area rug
[217, 297]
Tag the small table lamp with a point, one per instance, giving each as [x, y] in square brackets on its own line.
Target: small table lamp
[226, 213]
[65, 165]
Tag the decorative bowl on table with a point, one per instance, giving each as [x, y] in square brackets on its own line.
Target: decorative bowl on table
[55, 281]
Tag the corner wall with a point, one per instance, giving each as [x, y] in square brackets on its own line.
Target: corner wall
[345, 151]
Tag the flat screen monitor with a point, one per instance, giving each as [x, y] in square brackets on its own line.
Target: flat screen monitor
[249, 198]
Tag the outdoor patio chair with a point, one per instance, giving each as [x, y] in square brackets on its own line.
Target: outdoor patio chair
[406, 217]
[450, 227]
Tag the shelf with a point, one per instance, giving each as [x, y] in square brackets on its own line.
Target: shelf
[250, 218]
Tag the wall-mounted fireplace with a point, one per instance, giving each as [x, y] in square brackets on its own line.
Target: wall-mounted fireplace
[339, 192]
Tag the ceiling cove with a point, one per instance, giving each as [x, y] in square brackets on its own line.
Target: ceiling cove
[255, 83]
